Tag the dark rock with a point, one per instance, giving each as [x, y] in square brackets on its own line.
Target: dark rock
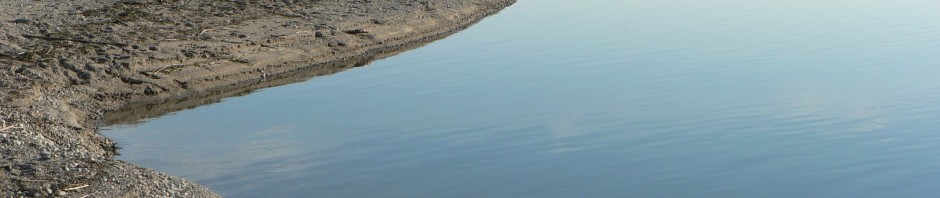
[45, 155]
[133, 81]
[149, 91]
[21, 20]
[357, 31]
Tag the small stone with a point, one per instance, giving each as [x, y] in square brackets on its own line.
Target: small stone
[318, 34]
[149, 91]
[154, 48]
[45, 155]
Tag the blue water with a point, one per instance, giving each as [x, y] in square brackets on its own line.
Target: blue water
[595, 98]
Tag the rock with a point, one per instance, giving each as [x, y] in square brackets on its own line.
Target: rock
[149, 91]
[20, 20]
[357, 31]
[45, 155]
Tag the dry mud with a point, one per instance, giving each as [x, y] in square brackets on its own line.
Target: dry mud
[65, 64]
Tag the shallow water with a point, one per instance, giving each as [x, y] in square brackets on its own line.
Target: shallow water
[595, 98]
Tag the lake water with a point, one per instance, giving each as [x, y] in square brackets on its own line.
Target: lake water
[595, 98]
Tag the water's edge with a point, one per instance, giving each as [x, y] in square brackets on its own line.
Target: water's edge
[138, 111]
[59, 120]
[141, 109]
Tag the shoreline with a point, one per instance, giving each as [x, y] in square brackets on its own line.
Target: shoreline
[64, 66]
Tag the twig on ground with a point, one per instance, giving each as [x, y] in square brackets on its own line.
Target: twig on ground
[235, 42]
[75, 188]
[204, 31]
[75, 40]
[5, 129]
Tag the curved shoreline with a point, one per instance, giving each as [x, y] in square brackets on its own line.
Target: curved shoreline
[57, 85]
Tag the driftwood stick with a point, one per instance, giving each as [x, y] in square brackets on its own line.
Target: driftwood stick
[204, 31]
[75, 188]
[4, 127]
[234, 42]
[75, 40]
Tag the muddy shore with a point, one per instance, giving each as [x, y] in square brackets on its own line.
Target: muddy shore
[65, 64]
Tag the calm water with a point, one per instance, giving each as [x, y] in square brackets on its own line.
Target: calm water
[595, 98]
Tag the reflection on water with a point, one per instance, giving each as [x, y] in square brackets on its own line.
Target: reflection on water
[596, 98]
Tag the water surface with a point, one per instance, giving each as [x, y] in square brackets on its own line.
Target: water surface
[595, 98]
